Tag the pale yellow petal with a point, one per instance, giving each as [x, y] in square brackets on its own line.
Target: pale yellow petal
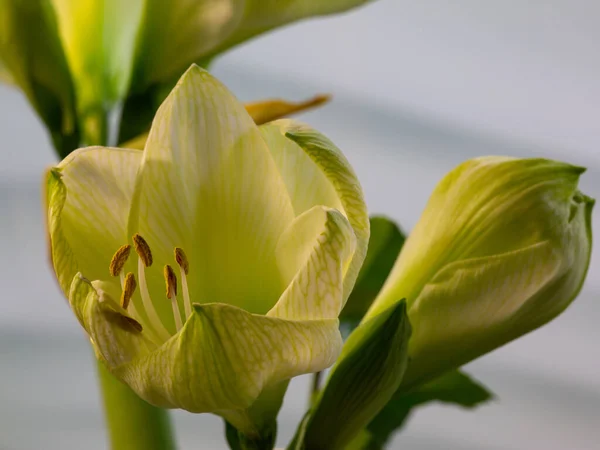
[208, 184]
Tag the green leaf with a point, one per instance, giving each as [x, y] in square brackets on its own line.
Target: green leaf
[455, 388]
[366, 376]
[384, 246]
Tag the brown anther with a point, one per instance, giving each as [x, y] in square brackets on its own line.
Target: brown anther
[128, 290]
[182, 260]
[118, 261]
[143, 249]
[170, 280]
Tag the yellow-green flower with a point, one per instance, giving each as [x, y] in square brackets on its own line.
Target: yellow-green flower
[81, 61]
[212, 265]
[502, 247]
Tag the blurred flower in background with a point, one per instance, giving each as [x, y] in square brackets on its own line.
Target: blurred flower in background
[96, 70]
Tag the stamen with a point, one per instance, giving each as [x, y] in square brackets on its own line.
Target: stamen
[128, 290]
[143, 249]
[182, 260]
[184, 268]
[132, 310]
[171, 282]
[145, 260]
[118, 260]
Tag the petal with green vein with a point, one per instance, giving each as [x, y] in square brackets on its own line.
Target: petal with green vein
[224, 357]
[306, 183]
[313, 255]
[89, 194]
[317, 173]
[116, 337]
[493, 301]
[208, 184]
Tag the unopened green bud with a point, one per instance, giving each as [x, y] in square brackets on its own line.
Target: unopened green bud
[502, 247]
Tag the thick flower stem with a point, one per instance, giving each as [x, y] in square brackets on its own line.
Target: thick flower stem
[133, 424]
[316, 388]
[239, 441]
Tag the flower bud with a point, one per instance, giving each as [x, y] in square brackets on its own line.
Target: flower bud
[502, 247]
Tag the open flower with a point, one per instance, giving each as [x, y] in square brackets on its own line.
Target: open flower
[502, 247]
[214, 263]
[79, 61]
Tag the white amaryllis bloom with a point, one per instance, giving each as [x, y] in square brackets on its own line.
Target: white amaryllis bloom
[502, 247]
[258, 234]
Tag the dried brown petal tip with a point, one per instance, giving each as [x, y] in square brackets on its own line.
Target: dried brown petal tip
[143, 249]
[182, 260]
[119, 259]
[128, 290]
[170, 280]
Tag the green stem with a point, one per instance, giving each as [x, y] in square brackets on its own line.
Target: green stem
[316, 388]
[133, 424]
[239, 441]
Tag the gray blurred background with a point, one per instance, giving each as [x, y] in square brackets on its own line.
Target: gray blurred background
[419, 87]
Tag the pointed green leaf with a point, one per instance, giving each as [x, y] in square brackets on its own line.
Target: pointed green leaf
[385, 244]
[363, 380]
[455, 388]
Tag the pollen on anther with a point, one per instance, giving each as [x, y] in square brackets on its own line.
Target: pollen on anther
[119, 259]
[182, 260]
[128, 290]
[170, 281]
[143, 249]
